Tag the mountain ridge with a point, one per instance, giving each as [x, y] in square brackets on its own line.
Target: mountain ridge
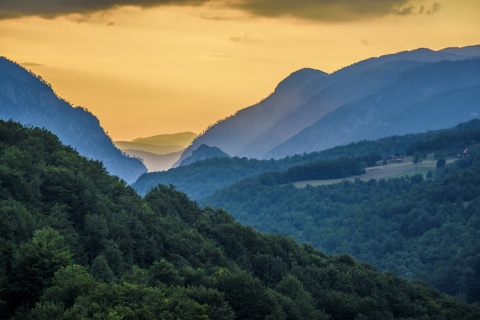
[27, 98]
[292, 108]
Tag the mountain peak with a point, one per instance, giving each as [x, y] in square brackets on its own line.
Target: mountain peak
[307, 96]
[204, 152]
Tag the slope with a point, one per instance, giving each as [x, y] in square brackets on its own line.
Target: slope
[233, 133]
[79, 244]
[420, 228]
[309, 97]
[26, 98]
[421, 99]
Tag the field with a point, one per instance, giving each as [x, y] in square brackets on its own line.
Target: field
[391, 170]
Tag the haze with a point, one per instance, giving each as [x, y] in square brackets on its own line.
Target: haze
[155, 68]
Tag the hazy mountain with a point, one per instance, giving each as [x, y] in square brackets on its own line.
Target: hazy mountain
[26, 98]
[304, 101]
[433, 96]
[155, 162]
[159, 144]
[234, 133]
[158, 152]
[204, 152]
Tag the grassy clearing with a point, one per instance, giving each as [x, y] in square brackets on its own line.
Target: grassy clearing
[392, 170]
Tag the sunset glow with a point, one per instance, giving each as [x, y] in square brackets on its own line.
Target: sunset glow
[164, 69]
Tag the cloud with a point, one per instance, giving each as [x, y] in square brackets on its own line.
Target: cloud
[364, 42]
[318, 10]
[54, 8]
[219, 55]
[32, 64]
[435, 7]
[333, 10]
[244, 38]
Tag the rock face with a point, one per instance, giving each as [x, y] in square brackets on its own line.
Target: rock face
[310, 110]
[26, 98]
[204, 152]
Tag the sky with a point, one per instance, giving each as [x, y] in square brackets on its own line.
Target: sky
[147, 67]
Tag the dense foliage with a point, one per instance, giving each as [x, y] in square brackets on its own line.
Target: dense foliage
[77, 243]
[416, 227]
[203, 178]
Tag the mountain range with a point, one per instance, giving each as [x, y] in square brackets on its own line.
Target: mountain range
[28, 99]
[159, 152]
[77, 243]
[310, 110]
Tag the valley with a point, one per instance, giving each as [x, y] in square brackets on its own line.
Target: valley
[159, 152]
[292, 208]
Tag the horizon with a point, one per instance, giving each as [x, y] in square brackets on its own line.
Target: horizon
[168, 69]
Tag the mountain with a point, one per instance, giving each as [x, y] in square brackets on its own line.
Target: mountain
[204, 152]
[26, 98]
[202, 178]
[155, 162]
[429, 97]
[309, 104]
[158, 152]
[77, 243]
[424, 225]
[159, 144]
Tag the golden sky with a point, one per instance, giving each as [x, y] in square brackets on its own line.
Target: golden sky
[146, 67]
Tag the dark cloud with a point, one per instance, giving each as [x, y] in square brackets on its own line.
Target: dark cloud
[333, 10]
[54, 8]
[320, 10]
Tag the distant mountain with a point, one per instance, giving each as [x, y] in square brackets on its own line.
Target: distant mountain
[159, 144]
[311, 110]
[26, 98]
[155, 162]
[158, 152]
[204, 152]
[429, 97]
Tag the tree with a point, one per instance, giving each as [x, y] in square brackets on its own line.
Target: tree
[37, 262]
[441, 163]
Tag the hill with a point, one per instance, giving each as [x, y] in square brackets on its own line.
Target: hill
[423, 226]
[26, 98]
[311, 110]
[201, 179]
[78, 243]
[204, 152]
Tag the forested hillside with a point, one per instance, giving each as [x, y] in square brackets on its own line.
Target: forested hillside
[203, 178]
[77, 243]
[418, 227]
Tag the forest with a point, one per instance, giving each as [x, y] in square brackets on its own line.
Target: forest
[420, 227]
[201, 179]
[77, 243]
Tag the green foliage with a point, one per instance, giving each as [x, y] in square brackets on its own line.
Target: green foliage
[203, 178]
[37, 261]
[419, 228]
[77, 243]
